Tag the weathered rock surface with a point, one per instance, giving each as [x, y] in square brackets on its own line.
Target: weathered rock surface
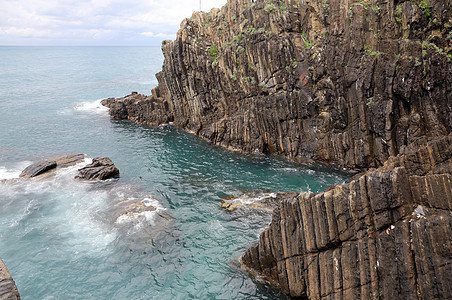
[264, 201]
[356, 83]
[386, 234]
[38, 168]
[8, 289]
[100, 169]
[44, 166]
[343, 81]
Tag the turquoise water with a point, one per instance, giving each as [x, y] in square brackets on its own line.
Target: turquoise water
[65, 239]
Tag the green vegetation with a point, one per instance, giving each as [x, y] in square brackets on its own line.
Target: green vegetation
[417, 62]
[234, 75]
[368, 49]
[426, 7]
[213, 50]
[371, 99]
[398, 13]
[365, 3]
[269, 8]
[308, 44]
[238, 37]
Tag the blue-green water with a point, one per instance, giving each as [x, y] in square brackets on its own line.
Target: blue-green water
[63, 239]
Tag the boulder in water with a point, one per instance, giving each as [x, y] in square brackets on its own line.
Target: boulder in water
[38, 168]
[44, 166]
[100, 169]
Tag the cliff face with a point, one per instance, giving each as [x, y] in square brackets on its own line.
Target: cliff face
[343, 81]
[356, 83]
[386, 234]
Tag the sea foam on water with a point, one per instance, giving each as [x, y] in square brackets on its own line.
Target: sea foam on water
[94, 107]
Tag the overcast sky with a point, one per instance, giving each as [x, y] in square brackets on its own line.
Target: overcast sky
[94, 22]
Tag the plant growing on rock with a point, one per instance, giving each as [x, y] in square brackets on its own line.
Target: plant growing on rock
[425, 6]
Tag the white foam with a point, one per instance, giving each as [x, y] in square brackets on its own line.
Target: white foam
[14, 171]
[139, 219]
[8, 173]
[249, 199]
[93, 107]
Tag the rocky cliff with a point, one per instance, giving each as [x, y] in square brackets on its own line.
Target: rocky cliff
[350, 82]
[384, 235]
[355, 83]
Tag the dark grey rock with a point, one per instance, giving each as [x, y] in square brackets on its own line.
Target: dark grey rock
[44, 166]
[101, 168]
[38, 168]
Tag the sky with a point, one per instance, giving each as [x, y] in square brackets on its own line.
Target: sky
[94, 22]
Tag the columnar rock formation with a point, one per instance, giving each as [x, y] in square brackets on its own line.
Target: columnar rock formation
[386, 234]
[349, 82]
[356, 83]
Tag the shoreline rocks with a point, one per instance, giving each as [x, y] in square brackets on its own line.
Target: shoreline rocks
[263, 201]
[359, 84]
[383, 235]
[44, 166]
[8, 289]
[100, 169]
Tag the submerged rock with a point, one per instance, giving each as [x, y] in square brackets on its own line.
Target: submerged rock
[8, 289]
[264, 201]
[44, 166]
[101, 168]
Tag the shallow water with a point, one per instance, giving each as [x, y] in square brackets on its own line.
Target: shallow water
[66, 239]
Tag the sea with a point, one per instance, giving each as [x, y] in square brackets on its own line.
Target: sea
[63, 238]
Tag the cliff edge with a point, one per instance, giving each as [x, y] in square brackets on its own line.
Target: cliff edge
[361, 84]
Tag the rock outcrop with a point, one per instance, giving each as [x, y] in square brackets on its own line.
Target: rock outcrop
[100, 169]
[356, 83]
[386, 234]
[44, 166]
[8, 289]
[257, 200]
[343, 81]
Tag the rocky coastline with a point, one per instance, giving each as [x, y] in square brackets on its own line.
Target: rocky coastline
[8, 289]
[363, 84]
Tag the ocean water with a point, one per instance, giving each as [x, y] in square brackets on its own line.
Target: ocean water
[67, 239]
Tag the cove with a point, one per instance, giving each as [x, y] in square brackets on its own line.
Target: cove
[61, 238]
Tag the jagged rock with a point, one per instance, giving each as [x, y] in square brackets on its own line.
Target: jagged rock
[360, 84]
[264, 201]
[44, 166]
[345, 82]
[101, 168]
[386, 234]
[8, 289]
